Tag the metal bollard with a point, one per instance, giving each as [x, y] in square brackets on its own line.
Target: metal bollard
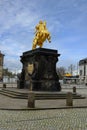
[69, 99]
[31, 100]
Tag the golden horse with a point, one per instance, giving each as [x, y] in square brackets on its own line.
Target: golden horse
[41, 35]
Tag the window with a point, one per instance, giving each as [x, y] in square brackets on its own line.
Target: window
[80, 72]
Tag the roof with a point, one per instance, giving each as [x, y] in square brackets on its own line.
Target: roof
[68, 75]
[83, 61]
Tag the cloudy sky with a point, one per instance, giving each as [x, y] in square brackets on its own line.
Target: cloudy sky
[66, 21]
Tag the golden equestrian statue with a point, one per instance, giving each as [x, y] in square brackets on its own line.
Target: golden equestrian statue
[41, 35]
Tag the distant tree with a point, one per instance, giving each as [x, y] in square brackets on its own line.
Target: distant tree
[61, 71]
[71, 68]
[6, 72]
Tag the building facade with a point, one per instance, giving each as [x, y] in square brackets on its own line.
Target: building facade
[1, 66]
[83, 70]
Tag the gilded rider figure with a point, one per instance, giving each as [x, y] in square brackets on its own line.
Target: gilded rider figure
[41, 34]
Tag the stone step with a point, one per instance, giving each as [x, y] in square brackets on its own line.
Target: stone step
[13, 92]
[39, 95]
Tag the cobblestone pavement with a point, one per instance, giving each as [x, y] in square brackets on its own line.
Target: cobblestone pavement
[55, 119]
[59, 119]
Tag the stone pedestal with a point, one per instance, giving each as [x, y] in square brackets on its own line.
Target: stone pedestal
[74, 89]
[31, 100]
[69, 99]
[39, 69]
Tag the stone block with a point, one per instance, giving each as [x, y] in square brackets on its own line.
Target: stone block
[74, 89]
[39, 66]
[31, 100]
[69, 99]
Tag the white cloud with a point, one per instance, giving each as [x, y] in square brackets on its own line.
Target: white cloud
[13, 13]
[12, 64]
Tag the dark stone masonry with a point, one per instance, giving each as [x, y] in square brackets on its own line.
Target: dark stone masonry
[39, 70]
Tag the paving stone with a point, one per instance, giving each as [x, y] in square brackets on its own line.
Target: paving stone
[61, 119]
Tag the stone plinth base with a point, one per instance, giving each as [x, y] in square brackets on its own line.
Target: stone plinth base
[39, 70]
